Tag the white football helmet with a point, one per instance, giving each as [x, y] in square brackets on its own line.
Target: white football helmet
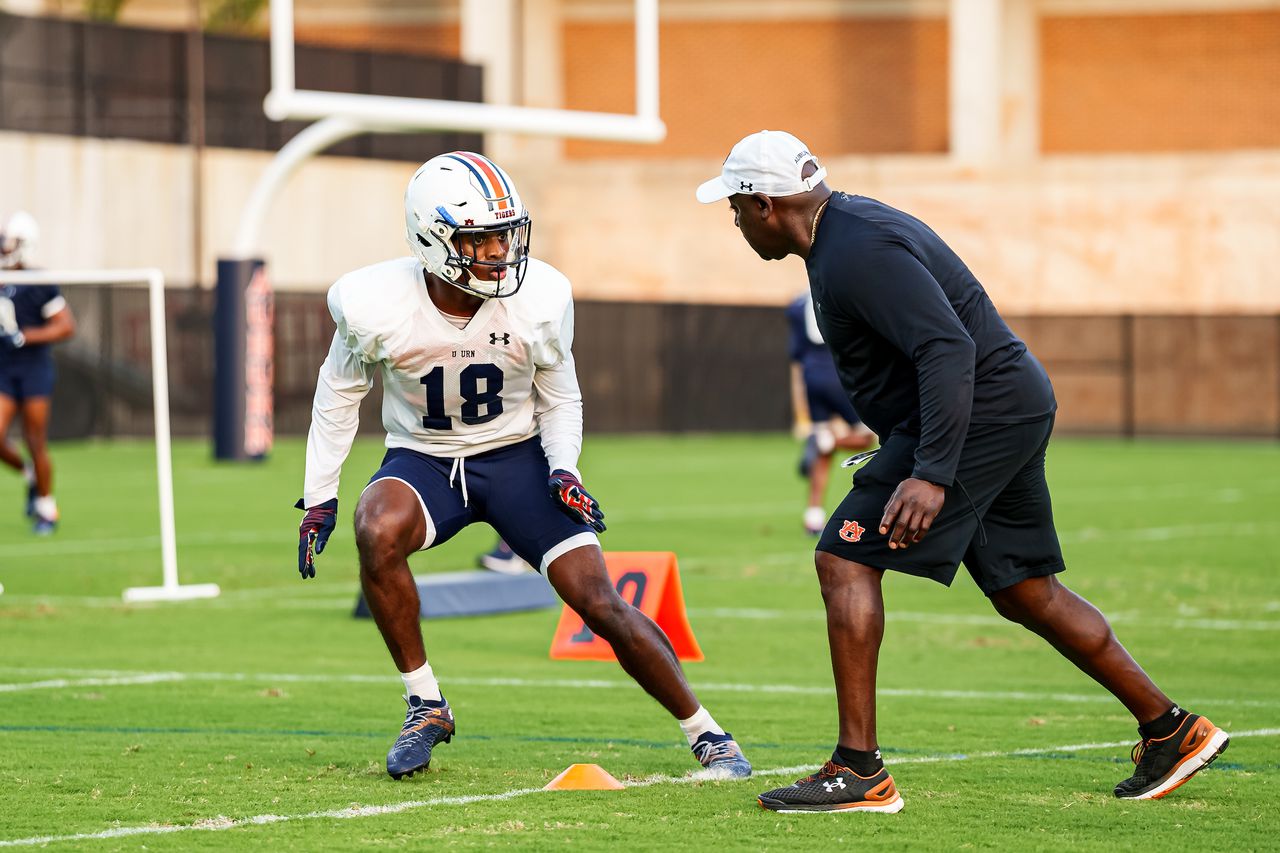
[18, 239]
[458, 195]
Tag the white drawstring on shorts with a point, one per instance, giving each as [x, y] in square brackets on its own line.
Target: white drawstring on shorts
[460, 471]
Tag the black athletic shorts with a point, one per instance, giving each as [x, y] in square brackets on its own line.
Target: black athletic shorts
[997, 518]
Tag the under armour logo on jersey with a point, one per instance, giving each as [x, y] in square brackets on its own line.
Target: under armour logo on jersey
[831, 786]
[744, 186]
[852, 531]
[505, 337]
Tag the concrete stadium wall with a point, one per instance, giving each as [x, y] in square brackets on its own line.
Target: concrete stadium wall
[1186, 233]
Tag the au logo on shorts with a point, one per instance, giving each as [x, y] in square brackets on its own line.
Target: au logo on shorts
[852, 531]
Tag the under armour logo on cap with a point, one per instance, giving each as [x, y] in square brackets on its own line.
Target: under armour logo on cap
[772, 160]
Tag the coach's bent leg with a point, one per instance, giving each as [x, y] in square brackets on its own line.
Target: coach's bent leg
[1082, 634]
[390, 527]
[855, 627]
[581, 580]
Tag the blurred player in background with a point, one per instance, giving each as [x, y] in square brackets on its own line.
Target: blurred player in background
[833, 422]
[483, 414]
[32, 317]
[965, 413]
[503, 560]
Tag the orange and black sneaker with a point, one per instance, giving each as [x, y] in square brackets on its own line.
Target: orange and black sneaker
[426, 724]
[1165, 763]
[835, 788]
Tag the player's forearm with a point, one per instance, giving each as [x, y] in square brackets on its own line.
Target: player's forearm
[561, 430]
[335, 418]
[328, 444]
[559, 414]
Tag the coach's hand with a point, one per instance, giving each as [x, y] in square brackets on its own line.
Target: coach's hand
[12, 340]
[313, 534]
[574, 501]
[911, 511]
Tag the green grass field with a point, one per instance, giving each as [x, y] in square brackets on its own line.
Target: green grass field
[264, 716]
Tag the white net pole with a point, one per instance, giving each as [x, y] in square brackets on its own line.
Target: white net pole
[170, 589]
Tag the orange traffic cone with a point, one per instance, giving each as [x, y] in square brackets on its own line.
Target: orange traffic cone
[584, 777]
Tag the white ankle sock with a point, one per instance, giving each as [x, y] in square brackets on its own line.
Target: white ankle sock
[700, 723]
[422, 683]
[47, 508]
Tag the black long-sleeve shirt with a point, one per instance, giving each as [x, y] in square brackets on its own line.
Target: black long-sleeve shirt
[919, 346]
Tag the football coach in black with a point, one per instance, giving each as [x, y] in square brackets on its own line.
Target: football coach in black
[964, 412]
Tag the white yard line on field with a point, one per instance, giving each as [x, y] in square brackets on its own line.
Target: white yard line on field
[110, 681]
[99, 677]
[220, 822]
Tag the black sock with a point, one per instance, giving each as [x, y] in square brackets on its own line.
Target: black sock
[864, 762]
[1163, 725]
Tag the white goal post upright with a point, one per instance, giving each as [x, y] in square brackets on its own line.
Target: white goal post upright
[170, 589]
[340, 115]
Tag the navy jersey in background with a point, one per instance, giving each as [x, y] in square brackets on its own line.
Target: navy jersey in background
[23, 306]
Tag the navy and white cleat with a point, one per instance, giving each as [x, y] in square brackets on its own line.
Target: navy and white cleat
[721, 756]
[44, 526]
[504, 561]
[426, 724]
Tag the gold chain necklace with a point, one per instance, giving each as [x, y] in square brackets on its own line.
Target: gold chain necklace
[813, 230]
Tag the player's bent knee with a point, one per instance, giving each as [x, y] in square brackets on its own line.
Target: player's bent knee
[385, 529]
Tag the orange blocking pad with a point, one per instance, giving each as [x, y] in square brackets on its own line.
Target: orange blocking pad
[583, 777]
[650, 580]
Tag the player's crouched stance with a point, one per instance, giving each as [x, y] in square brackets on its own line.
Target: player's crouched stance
[484, 424]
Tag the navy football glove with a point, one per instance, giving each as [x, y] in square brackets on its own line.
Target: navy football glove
[12, 341]
[313, 534]
[574, 501]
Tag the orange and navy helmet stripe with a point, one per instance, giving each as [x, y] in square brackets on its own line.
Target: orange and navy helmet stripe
[491, 179]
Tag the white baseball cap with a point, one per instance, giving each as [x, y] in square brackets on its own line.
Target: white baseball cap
[768, 162]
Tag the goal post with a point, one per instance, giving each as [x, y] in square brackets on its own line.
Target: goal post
[170, 589]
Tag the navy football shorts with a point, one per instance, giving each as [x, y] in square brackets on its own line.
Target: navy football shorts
[23, 379]
[827, 398]
[506, 487]
[997, 518]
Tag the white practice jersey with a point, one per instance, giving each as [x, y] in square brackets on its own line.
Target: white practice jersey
[505, 377]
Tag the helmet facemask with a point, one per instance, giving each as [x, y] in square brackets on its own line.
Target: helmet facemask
[448, 251]
[454, 205]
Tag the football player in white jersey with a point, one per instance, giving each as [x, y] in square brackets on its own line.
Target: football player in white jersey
[472, 338]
